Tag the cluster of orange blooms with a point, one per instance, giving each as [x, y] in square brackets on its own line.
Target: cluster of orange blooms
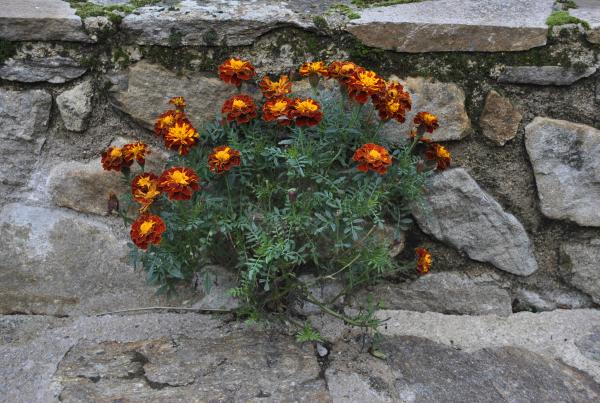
[361, 85]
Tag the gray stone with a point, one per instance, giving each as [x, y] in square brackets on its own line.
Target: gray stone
[544, 75]
[40, 20]
[455, 25]
[216, 296]
[551, 334]
[499, 119]
[580, 266]
[589, 11]
[24, 119]
[152, 357]
[566, 162]
[223, 23]
[445, 292]
[58, 263]
[549, 300]
[445, 100]
[52, 69]
[75, 106]
[590, 345]
[458, 212]
[150, 86]
[324, 291]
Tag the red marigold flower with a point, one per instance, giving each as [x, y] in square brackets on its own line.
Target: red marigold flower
[223, 158]
[363, 84]
[275, 89]
[306, 112]
[393, 102]
[428, 120]
[240, 108]
[343, 71]
[277, 109]
[166, 120]
[147, 229]
[113, 159]
[372, 157]
[144, 188]
[181, 137]
[136, 151]
[439, 154]
[179, 103]
[179, 183]
[313, 68]
[423, 260]
[234, 71]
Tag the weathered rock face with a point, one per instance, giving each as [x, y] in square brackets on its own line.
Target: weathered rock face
[43, 20]
[549, 300]
[455, 25]
[457, 211]
[149, 87]
[209, 23]
[57, 263]
[580, 265]
[445, 100]
[589, 11]
[566, 163]
[544, 75]
[52, 69]
[499, 120]
[22, 134]
[445, 292]
[75, 106]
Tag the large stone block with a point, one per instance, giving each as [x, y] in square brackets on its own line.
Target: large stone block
[566, 163]
[52, 69]
[455, 25]
[544, 75]
[580, 266]
[499, 119]
[457, 211]
[75, 106]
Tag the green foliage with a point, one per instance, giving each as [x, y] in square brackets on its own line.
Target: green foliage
[114, 12]
[297, 204]
[380, 3]
[345, 10]
[307, 333]
[562, 18]
[567, 4]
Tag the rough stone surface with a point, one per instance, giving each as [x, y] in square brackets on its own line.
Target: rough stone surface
[58, 263]
[457, 211]
[149, 87]
[566, 162]
[40, 20]
[217, 296]
[445, 292]
[455, 25]
[589, 11]
[580, 266]
[152, 357]
[549, 300]
[445, 100]
[544, 75]
[590, 345]
[75, 106]
[499, 120]
[223, 23]
[22, 134]
[551, 334]
[52, 69]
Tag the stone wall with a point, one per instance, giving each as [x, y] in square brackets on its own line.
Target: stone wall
[518, 104]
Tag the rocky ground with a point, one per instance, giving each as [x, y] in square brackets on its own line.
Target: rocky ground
[510, 311]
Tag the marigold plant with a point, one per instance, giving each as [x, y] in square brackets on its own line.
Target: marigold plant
[283, 184]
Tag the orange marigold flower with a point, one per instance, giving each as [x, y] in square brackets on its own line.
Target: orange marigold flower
[144, 188]
[274, 89]
[372, 157]
[136, 151]
[342, 71]
[179, 103]
[277, 109]
[114, 159]
[316, 68]
[240, 108]
[223, 158]
[363, 84]
[439, 154]
[306, 112]
[181, 137]
[428, 120]
[234, 71]
[423, 260]
[147, 229]
[179, 183]
[393, 102]
[166, 120]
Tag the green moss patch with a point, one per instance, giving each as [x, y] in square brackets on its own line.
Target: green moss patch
[562, 18]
